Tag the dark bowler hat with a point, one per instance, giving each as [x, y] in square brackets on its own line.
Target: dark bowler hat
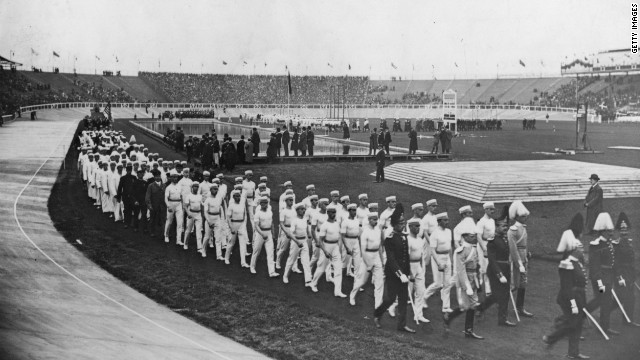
[594, 177]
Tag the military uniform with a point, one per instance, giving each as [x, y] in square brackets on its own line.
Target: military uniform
[397, 266]
[601, 271]
[571, 299]
[625, 268]
[498, 266]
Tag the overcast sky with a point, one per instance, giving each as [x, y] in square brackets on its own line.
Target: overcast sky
[422, 39]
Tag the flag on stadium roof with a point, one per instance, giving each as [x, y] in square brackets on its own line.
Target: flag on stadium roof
[522, 63]
[394, 66]
[56, 54]
[97, 58]
[117, 59]
[265, 64]
[329, 65]
[244, 63]
[33, 52]
[349, 66]
[456, 64]
[289, 80]
[224, 62]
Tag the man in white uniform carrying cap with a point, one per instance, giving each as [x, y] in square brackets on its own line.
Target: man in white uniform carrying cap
[440, 243]
[486, 228]
[518, 244]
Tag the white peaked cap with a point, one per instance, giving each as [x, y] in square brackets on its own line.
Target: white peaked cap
[390, 198]
[417, 206]
[432, 202]
[372, 205]
[346, 197]
[362, 196]
[517, 208]
[488, 205]
[603, 222]
[442, 215]
[310, 187]
[465, 208]
[568, 242]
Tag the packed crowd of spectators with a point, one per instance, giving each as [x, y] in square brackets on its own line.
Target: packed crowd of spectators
[17, 90]
[258, 89]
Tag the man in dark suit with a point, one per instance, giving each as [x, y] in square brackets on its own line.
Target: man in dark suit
[387, 140]
[278, 141]
[126, 194]
[139, 203]
[373, 141]
[207, 155]
[286, 138]
[255, 139]
[380, 160]
[240, 150]
[310, 140]
[593, 202]
[381, 137]
[155, 203]
[397, 272]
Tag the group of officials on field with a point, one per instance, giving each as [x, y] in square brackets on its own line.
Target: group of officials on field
[483, 261]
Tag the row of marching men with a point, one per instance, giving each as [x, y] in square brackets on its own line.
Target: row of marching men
[611, 270]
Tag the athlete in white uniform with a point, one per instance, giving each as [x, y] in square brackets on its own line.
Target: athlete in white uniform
[416, 258]
[298, 246]
[237, 220]
[486, 231]
[429, 222]
[287, 214]
[263, 236]
[173, 199]
[212, 209]
[194, 218]
[350, 231]
[441, 262]
[362, 211]
[371, 245]
[329, 239]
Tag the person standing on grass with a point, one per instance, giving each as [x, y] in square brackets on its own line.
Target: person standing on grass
[286, 138]
[436, 142]
[413, 141]
[380, 161]
[255, 139]
[373, 141]
[194, 218]
[593, 202]
[329, 243]
[310, 140]
[387, 140]
[397, 273]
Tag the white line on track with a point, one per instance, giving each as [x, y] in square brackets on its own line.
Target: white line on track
[15, 215]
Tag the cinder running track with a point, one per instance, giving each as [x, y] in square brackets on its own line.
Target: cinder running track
[55, 303]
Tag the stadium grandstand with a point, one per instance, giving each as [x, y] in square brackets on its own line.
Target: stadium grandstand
[607, 93]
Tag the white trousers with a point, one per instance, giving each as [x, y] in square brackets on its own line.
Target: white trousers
[194, 221]
[362, 276]
[441, 280]
[336, 261]
[267, 243]
[215, 229]
[238, 231]
[174, 212]
[302, 251]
